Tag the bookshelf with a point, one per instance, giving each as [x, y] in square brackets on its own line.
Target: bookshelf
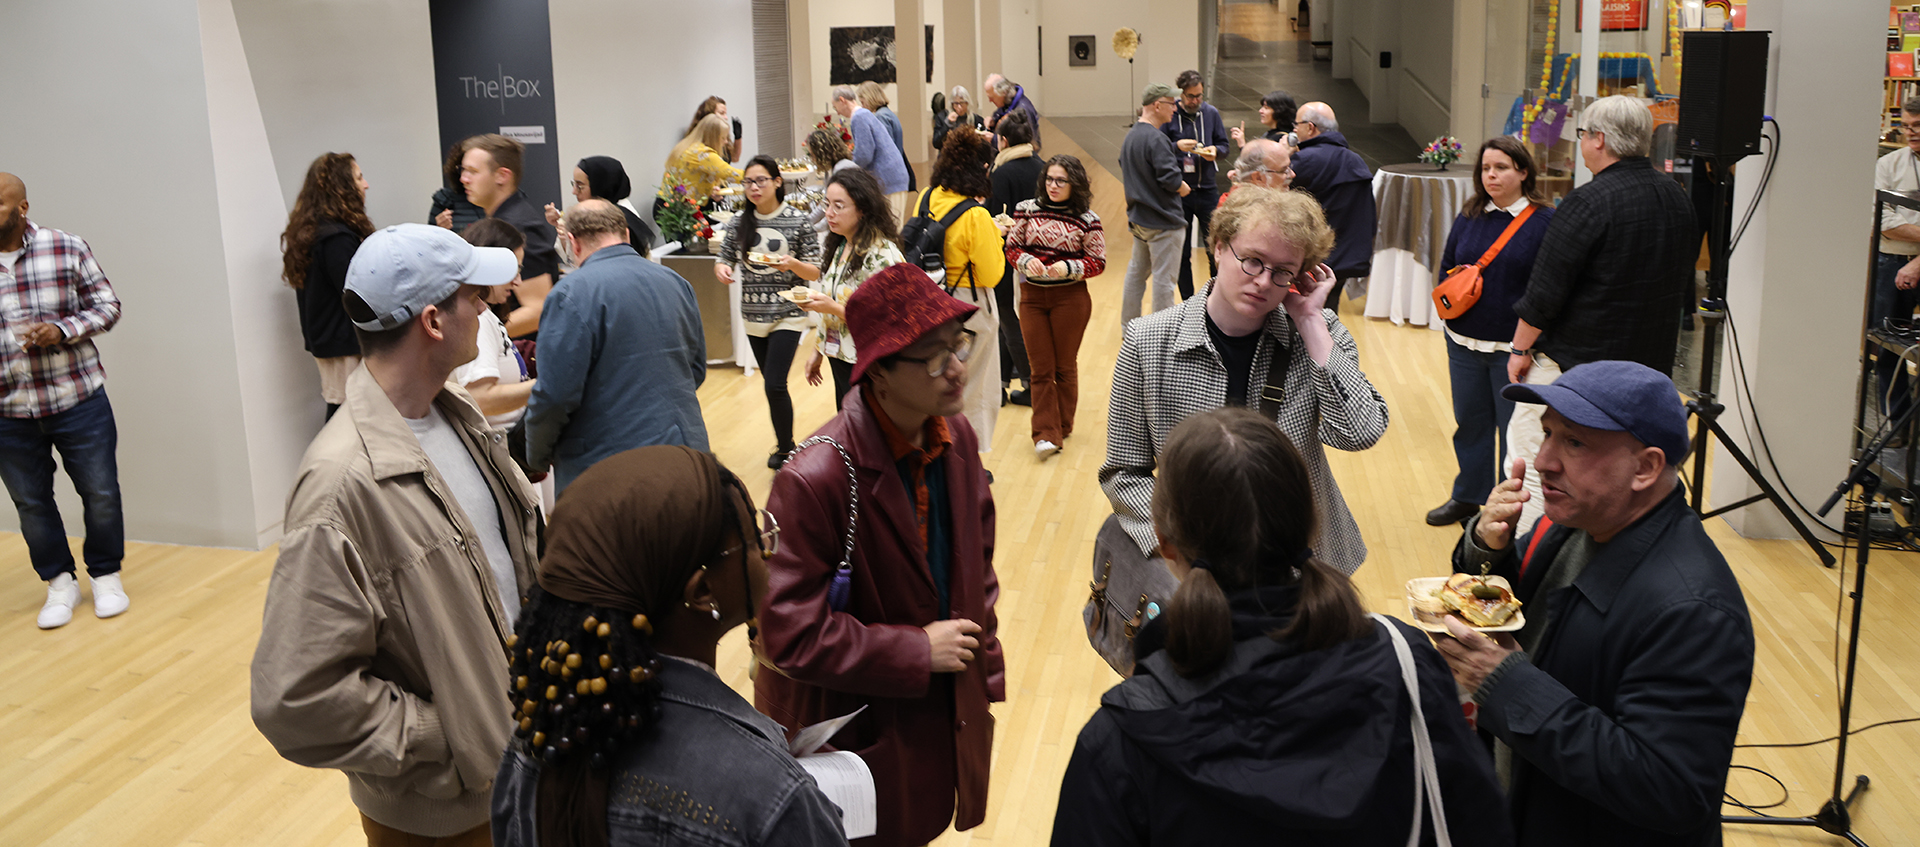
[1903, 66]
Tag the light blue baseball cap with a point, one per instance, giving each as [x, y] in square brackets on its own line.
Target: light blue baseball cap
[401, 270]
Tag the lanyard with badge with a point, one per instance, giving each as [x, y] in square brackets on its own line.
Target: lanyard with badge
[1191, 162]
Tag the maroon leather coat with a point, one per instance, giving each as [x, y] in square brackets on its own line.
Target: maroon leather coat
[928, 738]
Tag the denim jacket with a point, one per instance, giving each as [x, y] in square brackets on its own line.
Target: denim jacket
[712, 772]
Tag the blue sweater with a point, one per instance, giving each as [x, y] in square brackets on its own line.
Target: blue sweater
[874, 151]
[621, 356]
[1503, 281]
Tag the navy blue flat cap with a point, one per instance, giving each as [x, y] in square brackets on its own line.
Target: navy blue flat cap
[1618, 396]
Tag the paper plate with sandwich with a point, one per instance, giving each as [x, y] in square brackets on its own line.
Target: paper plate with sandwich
[1485, 603]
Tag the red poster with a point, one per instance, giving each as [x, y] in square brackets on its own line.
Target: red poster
[1615, 15]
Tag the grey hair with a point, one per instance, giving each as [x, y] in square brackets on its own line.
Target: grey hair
[960, 94]
[1003, 86]
[1253, 157]
[845, 92]
[1911, 106]
[1320, 115]
[1626, 125]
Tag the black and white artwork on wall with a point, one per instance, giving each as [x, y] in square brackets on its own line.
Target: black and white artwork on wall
[860, 54]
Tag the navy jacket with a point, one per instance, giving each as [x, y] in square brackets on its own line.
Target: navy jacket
[1338, 178]
[1504, 279]
[1278, 747]
[622, 354]
[1622, 726]
[1207, 130]
[1615, 270]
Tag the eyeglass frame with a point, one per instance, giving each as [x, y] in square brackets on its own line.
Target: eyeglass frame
[1058, 180]
[963, 352]
[759, 181]
[1264, 268]
[769, 539]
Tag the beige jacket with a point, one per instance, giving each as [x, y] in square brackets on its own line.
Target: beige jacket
[383, 648]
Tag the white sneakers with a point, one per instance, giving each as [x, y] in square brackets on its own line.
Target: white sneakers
[63, 593]
[1045, 449]
[109, 598]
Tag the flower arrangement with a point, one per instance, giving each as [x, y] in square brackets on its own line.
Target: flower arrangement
[1441, 151]
[833, 123]
[679, 217]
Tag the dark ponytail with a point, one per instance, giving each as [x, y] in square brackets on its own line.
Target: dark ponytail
[1234, 499]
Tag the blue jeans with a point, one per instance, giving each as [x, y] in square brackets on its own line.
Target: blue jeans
[1479, 416]
[1890, 379]
[86, 438]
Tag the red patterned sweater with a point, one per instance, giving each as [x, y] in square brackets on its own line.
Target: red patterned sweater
[1051, 235]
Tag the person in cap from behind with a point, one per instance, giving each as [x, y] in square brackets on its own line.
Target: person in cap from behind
[410, 538]
[1615, 707]
[912, 629]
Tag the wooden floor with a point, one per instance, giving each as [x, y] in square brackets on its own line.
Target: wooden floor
[135, 731]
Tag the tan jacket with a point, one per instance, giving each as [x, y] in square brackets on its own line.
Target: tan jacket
[383, 648]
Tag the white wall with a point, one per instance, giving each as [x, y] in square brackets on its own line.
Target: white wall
[113, 141]
[1170, 32]
[609, 58]
[1802, 344]
[1418, 91]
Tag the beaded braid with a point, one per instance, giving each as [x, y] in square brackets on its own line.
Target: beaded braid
[583, 680]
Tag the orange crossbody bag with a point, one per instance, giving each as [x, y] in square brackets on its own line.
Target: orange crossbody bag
[1461, 289]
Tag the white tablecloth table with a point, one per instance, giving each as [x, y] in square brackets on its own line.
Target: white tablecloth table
[1416, 204]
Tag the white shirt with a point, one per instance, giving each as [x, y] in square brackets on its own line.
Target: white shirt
[1481, 345]
[455, 465]
[1898, 171]
[499, 360]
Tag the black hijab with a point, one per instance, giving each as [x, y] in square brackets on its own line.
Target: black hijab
[607, 180]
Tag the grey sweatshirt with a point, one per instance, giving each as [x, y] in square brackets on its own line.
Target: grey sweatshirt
[1150, 167]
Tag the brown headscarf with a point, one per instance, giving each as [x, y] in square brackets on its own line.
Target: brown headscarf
[626, 537]
[635, 526]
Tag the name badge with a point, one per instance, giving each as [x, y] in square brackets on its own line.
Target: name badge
[1189, 167]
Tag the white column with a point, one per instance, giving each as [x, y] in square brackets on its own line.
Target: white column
[1796, 299]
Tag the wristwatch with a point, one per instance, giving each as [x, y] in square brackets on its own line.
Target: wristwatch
[1522, 351]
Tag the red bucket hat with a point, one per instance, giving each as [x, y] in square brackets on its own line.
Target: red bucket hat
[893, 309]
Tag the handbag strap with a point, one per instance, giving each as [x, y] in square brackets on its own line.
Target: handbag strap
[1426, 774]
[1487, 258]
[839, 589]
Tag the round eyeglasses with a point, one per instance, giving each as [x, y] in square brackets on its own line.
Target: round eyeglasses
[1280, 277]
[937, 363]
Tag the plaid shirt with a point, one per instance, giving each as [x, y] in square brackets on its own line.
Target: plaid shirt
[56, 281]
[1168, 369]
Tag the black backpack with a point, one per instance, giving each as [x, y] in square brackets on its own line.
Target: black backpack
[923, 240]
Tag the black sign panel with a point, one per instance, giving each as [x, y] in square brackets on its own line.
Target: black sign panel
[493, 72]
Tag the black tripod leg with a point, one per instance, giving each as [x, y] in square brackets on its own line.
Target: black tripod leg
[1767, 489]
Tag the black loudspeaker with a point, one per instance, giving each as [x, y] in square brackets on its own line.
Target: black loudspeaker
[1723, 93]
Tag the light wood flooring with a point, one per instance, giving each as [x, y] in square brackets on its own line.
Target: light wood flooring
[135, 730]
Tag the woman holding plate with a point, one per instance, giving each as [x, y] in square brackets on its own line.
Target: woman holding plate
[769, 249]
[862, 238]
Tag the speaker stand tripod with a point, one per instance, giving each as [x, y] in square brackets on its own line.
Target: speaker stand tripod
[1704, 405]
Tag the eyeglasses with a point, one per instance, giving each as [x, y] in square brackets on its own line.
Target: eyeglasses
[1193, 98]
[1299, 122]
[937, 363]
[1280, 277]
[759, 181]
[1164, 101]
[769, 537]
[1057, 180]
[580, 186]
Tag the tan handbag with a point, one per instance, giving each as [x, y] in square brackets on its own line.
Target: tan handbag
[1461, 289]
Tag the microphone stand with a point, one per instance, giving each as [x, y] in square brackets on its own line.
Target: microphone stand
[1834, 817]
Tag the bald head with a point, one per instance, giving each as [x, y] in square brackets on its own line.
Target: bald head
[13, 211]
[1319, 118]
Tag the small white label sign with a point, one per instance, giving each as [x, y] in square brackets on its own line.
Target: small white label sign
[526, 134]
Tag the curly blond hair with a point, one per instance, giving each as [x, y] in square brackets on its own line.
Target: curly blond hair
[1297, 216]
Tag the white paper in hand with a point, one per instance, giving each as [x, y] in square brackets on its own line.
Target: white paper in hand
[846, 781]
[811, 738]
[842, 776]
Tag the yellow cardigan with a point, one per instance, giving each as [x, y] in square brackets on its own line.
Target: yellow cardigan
[972, 238]
[702, 170]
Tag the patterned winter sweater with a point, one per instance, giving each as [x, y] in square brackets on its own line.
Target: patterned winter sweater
[786, 232]
[1050, 234]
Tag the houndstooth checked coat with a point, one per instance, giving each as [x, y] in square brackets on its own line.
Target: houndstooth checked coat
[1168, 369]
